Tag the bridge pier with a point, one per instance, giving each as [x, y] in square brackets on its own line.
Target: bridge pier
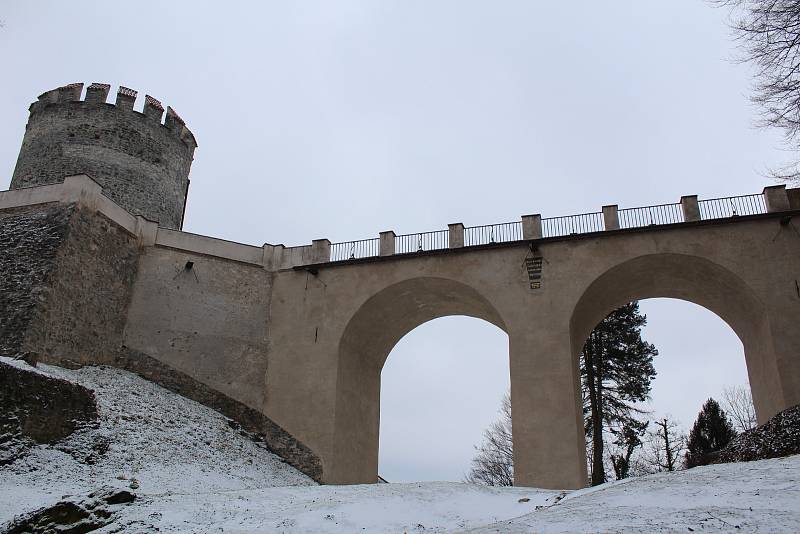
[546, 408]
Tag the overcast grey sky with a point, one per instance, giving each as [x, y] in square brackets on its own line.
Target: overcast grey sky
[342, 119]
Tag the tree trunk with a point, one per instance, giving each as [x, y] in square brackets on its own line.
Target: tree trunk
[669, 459]
[594, 384]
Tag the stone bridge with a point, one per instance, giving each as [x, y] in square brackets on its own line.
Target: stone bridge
[301, 334]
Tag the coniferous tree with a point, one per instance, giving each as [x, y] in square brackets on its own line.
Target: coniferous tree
[616, 372]
[710, 433]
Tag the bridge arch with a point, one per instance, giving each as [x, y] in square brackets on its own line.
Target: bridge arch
[702, 282]
[371, 333]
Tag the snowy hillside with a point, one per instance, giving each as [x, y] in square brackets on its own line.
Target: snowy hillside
[761, 496]
[156, 441]
[191, 470]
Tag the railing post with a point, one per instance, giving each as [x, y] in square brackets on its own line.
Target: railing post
[320, 251]
[611, 217]
[456, 235]
[532, 226]
[690, 208]
[387, 243]
[776, 198]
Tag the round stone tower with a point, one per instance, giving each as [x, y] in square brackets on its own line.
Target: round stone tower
[142, 164]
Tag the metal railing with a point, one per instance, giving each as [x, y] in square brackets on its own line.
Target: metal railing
[721, 208]
[715, 208]
[351, 250]
[420, 242]
[583, 223]
[650, 215]
[492, 233]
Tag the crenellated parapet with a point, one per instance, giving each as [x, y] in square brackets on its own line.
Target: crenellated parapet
[141, 158]
[97, 93]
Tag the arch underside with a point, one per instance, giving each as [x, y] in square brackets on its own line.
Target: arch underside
[368, 339]
[543, 383]
[695, 280]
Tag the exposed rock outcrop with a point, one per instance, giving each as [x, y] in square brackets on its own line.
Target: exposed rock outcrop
[90, 513]
[37, 408]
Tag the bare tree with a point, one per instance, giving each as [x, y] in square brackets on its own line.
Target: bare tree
[493, 464]
[666, 446]
[628, 440]
[738, 404]
[768, 32]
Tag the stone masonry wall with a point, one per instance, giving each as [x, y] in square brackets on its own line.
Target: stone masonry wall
[82, 314]
[29, 242]
[66, 279]
[141, 164]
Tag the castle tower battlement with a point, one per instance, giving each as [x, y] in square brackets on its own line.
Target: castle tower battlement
[141, 163]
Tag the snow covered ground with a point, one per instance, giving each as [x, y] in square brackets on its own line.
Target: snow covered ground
[761, 496]
[422, 507]
[193, 472]
[157, 441]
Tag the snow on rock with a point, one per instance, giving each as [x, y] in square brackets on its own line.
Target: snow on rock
[149, 440]
[780, 436]
[95, 511]
[37, 408]
[761, 496]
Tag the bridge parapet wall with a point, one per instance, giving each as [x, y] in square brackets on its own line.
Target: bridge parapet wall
[773, 199]
[533, 227]
[82, 188]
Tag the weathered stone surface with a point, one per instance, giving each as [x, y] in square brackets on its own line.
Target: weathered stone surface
[29, 242]
[65, 280]
[141, 164]
[83, 315]
[88, 514]
[70, 274]
[36, 408]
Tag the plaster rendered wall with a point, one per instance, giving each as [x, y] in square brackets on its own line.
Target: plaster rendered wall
[142, 165]
[209, 321]
[330, 333]
[305, 347]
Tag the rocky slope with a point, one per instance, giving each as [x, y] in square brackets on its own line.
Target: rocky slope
[145, 439]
